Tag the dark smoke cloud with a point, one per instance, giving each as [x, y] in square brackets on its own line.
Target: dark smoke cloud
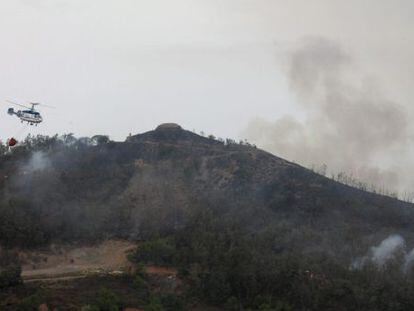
[349, 124]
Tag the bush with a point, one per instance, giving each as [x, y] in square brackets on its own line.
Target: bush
[107, 301]
[141, 285]
[154, 304]
[30, 303]
[21, 224]
[10, 276]
[232, 304]
[171, 302]
[159, 251]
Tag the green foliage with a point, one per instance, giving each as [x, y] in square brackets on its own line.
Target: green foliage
[10, 269]
[10, 276]
[160, 251]
[20, 224]
[229, 267]
[172, 302]
[154, 304]
[232, 304]
[107, 301]
[282, 306]
[247, 229]
[30, 303]
[140, 283]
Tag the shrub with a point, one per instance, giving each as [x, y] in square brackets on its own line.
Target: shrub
[141, 285]
[171, 302]
[159, 251]
[10, 276]
[30, 303]
[154, 304]
[107, 301]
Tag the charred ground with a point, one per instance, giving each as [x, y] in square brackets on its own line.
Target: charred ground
[243, 216]
[77, 189]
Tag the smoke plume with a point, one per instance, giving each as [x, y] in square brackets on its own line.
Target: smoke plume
[350, 125]
[38, 162]
[386, 251]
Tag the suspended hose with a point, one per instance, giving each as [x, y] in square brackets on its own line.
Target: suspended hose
[22, 131]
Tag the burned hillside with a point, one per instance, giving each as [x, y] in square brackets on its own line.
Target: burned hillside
[242, 226]
[90, 189]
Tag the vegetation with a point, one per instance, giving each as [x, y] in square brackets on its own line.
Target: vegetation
[30, 303]
[10, 270]
[350, 180]
[245, 229]
[157, 251]
[106, 301]
[10, 276]
[235, 269]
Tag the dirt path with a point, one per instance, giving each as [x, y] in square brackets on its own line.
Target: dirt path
[160, 270]
[63, 262]
[68, 262]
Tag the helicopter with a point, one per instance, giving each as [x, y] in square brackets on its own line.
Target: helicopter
[30, 115]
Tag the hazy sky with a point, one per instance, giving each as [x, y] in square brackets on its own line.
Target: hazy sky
[121, 66]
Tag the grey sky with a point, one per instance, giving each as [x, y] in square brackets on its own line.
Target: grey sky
[120, 66]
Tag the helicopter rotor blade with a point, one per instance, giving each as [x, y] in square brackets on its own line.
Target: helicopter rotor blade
[13, 103]
[43, 105]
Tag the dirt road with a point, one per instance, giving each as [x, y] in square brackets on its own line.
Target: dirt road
[68, 261]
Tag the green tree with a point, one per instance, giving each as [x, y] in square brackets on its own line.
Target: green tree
[10, 276]
[160, 251]
[107, 300]
[154, 304]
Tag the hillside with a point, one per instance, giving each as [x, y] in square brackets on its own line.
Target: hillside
[207, 196]
[152, 181]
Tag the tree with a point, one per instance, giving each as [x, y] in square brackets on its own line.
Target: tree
[154, 304]
[100, 139]
[10, 276]
[107, 300]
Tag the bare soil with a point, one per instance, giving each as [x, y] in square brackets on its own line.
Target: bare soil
[69, 261]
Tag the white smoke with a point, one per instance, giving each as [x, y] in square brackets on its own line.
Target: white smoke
[37, 162]
[385, 252]
[409, 260]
